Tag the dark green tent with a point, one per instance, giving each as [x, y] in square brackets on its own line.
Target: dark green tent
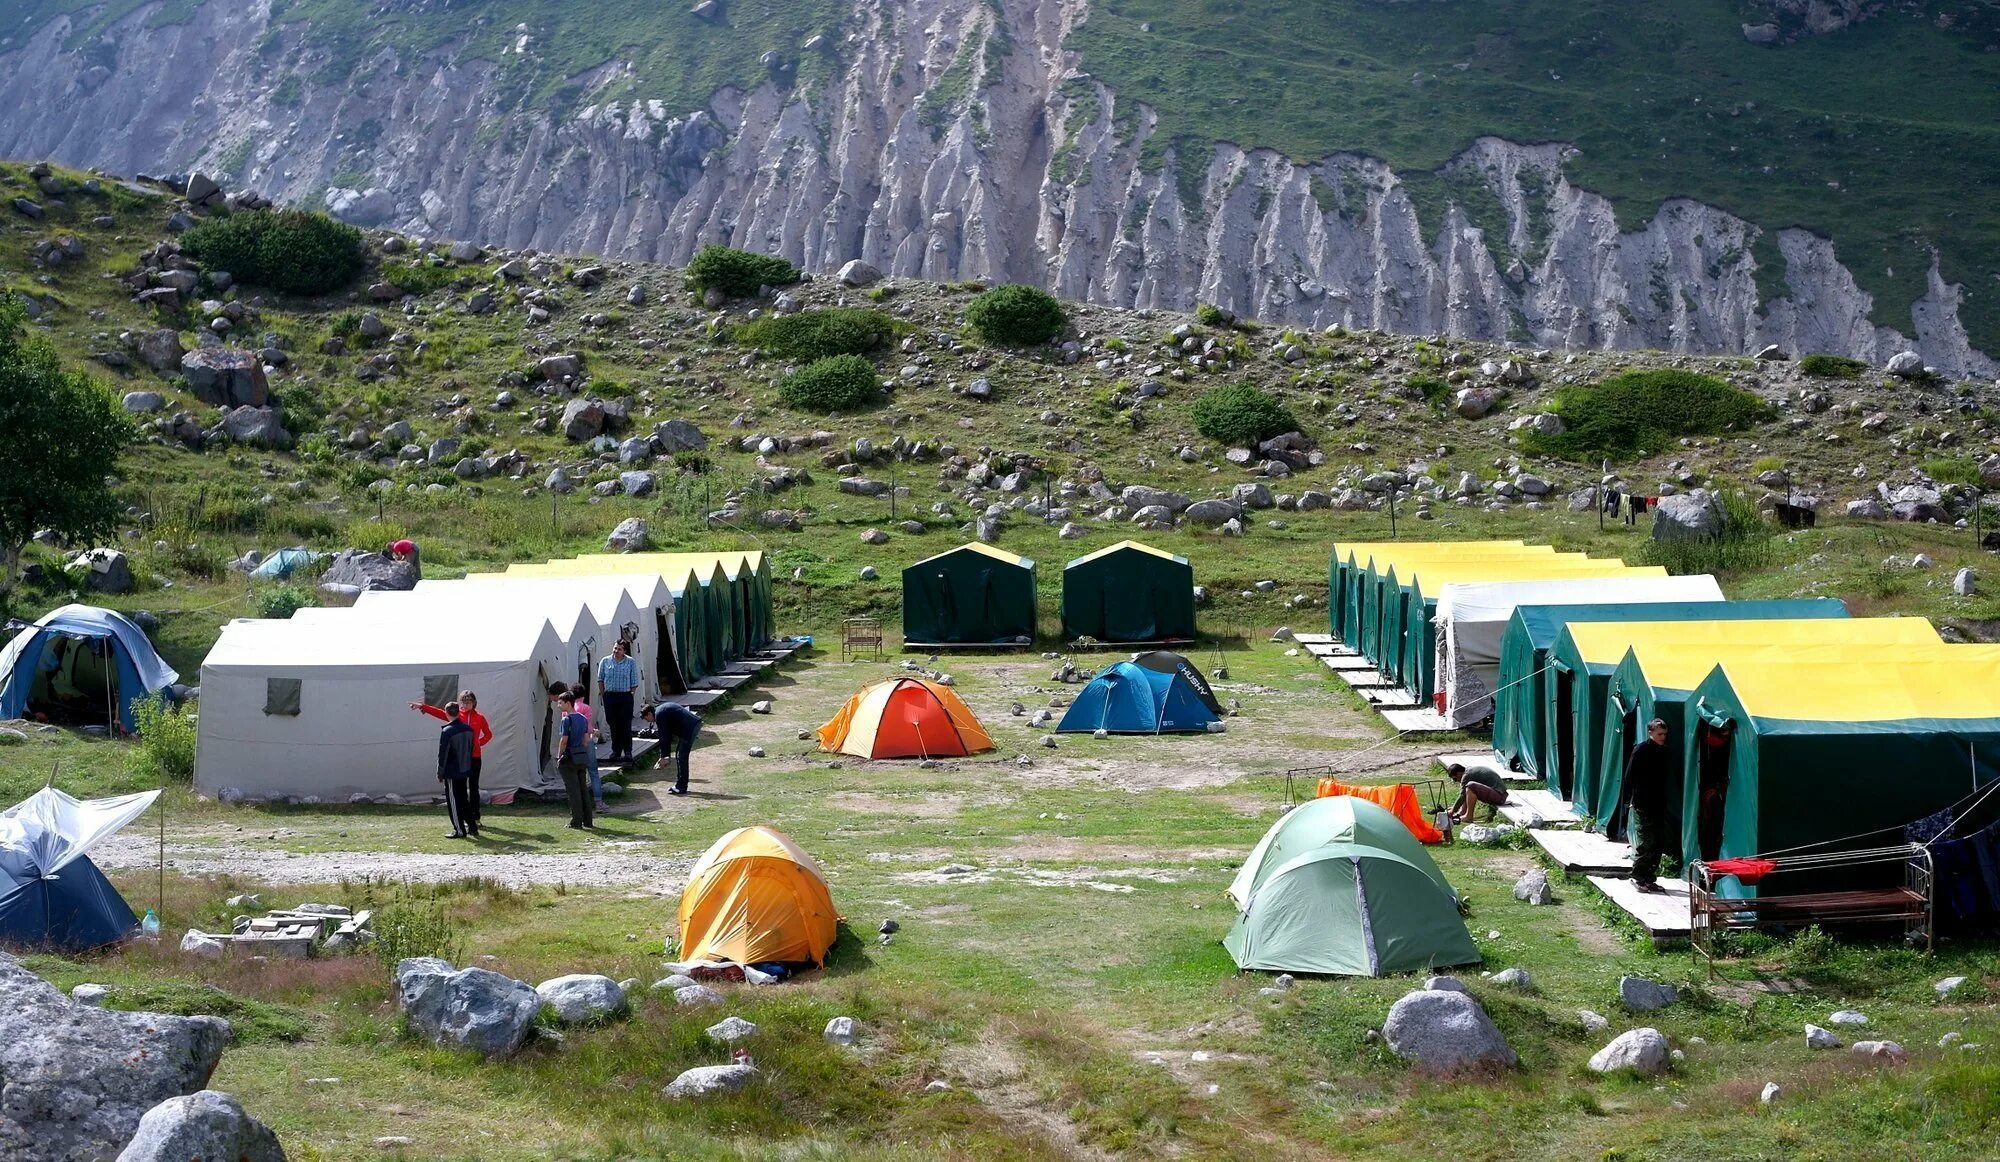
[1522, 694]
[974, 594]
[1129, 592]
[1780, 756]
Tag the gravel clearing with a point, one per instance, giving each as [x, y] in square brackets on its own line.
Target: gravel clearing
[588, 870]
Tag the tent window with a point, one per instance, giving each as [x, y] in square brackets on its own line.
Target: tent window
[281, 696]
[440, 688]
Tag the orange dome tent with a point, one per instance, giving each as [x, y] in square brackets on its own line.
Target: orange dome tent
[901, 718]
[754, 898]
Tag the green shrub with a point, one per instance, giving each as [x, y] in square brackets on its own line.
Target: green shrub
[283, 601]
[737, 273]
[839, 384]
[1240, 415]
[1016, 316]
[1210, 315]
[292, 251]
[166, 740]
[820, 334]
[1832, 366]
[418, 278]
[1953, 470]
[1432, 390]
[1747, 542]
[411, 926]
[1640, 413]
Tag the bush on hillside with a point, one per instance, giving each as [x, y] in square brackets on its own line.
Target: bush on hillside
[737, 273]
[1640, 413]
[1016, 316]
[820, 334]
[166, 739]
[292, 251]
[1747, 542]
[840, 384]
[282, 601]
[419, 278]
[1239, 415]
[1832, 366]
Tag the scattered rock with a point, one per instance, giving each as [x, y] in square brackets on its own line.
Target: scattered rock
[858, 273]
[1533, 888]
[1644, 1051]
[1818, 1038]
[703, 1080]
[1643, 996]
[1886, 1050]
[1444, 1030]
[1516, 977]
[631, 536]
[731, 1029]
[1771, 1091]
[1848, 1017]
[696, 994]
[1945, 987]
[472, 1008]
[200, 1127]
[1593, 1022]
[1905, 365]
[582, 997]
[1444, 984]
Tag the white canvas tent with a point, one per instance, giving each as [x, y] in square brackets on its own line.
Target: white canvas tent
[601, 616]
[1472, 619]
[319, 706]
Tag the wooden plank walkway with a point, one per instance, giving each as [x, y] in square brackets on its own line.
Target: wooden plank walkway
[1422, 720]
[1389, 698]
[1313, 639]
[721, 681]
[695, 699]
[1539, 807]
[1362, 678]
[1664, 916]
[1584, 852]
[1347, 662]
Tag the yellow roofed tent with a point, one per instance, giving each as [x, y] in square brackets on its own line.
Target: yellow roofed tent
[1368, 575]
[711, 587]
[755, 897]
[1129, 592]
[1782, 755]
[1586, 653]
[974, 593]
[902, 718]
[1350, 558]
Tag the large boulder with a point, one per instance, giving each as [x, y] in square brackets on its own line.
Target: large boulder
[582, 997]
[202, 1127]
[1643, 996]
[1211, 512]
[858, 273]
[258, 426]
[1643, 1051]
[703, 1080]
[1443, 1030]
[631, 536]
[161, 350]
[226, 377]
[1475, 402]
[370, 207]
[102, 570]
[556, 368]
[1906, 365]
[671, 436]
[76, 1081]
[583, 419]
[1138, 496]
[1689, 516]
[370, 571]
[471, 1008]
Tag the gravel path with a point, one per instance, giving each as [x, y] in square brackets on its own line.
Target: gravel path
[610, 869]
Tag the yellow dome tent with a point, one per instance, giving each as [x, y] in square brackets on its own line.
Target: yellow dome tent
[904, 718]
[756, 898]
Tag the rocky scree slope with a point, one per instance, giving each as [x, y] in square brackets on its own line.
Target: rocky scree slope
[938, 139]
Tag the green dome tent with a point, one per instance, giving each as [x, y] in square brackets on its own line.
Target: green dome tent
[1339, 886]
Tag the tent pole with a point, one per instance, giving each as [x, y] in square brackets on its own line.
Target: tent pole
[160, 908]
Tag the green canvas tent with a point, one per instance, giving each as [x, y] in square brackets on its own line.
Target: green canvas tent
[1780, 756]
[1522, 693]
[1129, 592]
[1585, 654]
[972, 594]
[1340, 886]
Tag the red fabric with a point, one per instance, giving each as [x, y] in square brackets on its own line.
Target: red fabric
[1747, 869]
[482, 731]
[403, 548]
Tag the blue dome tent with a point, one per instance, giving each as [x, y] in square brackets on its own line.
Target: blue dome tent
[1128, 698]
[51, 895]
[82, 661]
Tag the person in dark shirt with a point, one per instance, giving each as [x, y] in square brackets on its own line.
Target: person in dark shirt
[455, 771]
[677, 724]
[1482, 785]
[573, 737]
[1649, 778]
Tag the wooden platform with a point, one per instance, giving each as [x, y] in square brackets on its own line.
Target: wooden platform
[1313, 639]
[721, 681]
[1362, 678]
[1319, 649]
[1341, 663]
[1527, 804]
[641, 748]
[1421, 720]
[1664, 916]
[1389, 698]
[749, 665]
[694, 699]
[1585, 852]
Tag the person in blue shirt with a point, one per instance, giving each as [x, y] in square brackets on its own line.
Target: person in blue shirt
[618, 684]
[574, 739]
[677, 724]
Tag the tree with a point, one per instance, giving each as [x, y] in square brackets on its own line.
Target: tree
[62, 433]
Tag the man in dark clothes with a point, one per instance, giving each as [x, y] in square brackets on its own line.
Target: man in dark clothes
[1649, 778]
[1482, 785]
[677, 724]
[573, 736]
[455, 772]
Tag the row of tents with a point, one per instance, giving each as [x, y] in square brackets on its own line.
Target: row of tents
[1791, 722]
[979, 595]
[318, 705]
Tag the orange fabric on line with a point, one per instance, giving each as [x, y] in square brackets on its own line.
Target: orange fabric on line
[904, 718]
[755, 897]
[1398, 799]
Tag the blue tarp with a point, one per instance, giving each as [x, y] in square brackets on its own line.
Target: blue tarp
[1128, 698]
[51, 895]
[45, 646]
[279, 566]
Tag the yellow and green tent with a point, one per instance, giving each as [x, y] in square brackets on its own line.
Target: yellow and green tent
[1129, 592]
[972, 594]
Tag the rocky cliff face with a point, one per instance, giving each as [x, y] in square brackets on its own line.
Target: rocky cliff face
[957, 139]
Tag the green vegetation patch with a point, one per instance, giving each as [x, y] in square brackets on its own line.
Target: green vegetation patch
[1640, 413]
[1240, 415]
[251, 1021]
[820, 334]
[1832, 366]
[293, 251]
[737, 273]
[843, 383]
[1016, 316]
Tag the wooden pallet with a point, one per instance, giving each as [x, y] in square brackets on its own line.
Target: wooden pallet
[1490, 759]
[749, 665]
[1360, 679]
[1342, 663]
[1389, 698]
[641, 747]
[1318, 649]
[695, 699]
[1664, 916]
[1421, 720]
[1525, 805]
[721, 681]
[1313, 639]
[1585, 852]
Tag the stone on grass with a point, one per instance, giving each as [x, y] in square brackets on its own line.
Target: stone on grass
[89, 994]
[842, 1031]
[1945, 987]
[761, 706]
[581, 997]
[79, 1080]
[201, 944]
[869, 573]
[201, 1127]
[631, 536]
[1516, 977]
[1643, 1051]
[1444, 1030]
[1593, 1022]
[473, 1008]
[1848, 1017]
[1444, 984]
[730, 1029]
[676, 981]
[1533, 887]
[696, 994]
[1643, 996]
[1818, 1038]
[1771, 1091]
[1886, 1050]
[703, 1080]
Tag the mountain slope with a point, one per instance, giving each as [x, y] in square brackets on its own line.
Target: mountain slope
[1326, 162]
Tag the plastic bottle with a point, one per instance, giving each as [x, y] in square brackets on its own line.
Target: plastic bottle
[150, 925]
